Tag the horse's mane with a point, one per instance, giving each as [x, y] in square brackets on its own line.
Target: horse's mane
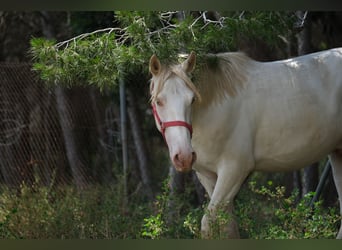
[219, 76]
[167, 71]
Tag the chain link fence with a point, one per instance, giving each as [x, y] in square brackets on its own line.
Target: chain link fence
[40, 125]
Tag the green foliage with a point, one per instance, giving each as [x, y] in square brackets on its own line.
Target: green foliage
[154, 227]
[266, 213]
[174, 216]
[103, 57]
[219, 223]
[40, 213]
[88, 61]
[263, 212]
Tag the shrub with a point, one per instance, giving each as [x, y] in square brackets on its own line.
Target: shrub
[265, 213]
[174, 216]
[64, 213]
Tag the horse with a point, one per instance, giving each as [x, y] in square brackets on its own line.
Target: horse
[233, 115]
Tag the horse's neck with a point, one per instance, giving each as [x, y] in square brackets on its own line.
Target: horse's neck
[215, 115]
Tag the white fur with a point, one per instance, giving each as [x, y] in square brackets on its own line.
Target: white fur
[286, 115]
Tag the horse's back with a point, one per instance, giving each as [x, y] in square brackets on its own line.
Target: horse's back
[297, 109]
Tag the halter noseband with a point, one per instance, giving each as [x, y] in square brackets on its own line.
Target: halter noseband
[164, 125]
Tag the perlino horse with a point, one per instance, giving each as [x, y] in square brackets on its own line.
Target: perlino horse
[239, 115]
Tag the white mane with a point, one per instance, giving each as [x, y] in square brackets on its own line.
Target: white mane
[224, 78]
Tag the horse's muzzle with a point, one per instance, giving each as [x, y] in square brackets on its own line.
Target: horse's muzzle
[183, 162]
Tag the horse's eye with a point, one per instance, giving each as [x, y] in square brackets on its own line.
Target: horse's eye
[193, 100]
[159, 102]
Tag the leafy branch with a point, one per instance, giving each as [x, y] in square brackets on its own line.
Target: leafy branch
[103, 56]
[85, 35]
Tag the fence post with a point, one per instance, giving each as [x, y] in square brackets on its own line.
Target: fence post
[321, 183]
[123, 121]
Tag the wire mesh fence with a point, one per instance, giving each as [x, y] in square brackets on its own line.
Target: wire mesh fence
[43, 129]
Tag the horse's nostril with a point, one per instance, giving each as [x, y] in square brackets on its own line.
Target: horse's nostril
[176, 159]
[194, 158]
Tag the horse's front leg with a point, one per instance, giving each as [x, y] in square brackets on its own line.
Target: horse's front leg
[218, 221]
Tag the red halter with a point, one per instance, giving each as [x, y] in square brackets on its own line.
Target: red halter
[164, 125]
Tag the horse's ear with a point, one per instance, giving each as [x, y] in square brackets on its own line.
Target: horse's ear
[189, 64]
[155, 65]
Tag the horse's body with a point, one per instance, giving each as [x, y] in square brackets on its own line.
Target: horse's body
[274, 116]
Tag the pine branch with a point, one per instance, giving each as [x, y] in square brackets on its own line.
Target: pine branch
[85, 35]
[103, 56]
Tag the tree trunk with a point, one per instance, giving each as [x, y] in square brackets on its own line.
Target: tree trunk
[177, 186]
[10, 163]
[101, 155]
[65, 120]
[140, 146]
[200, 191]
[297, 184]
[304, 36]
[76, 165]
[310, 178]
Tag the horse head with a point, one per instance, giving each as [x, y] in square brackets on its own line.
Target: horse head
[172, 99]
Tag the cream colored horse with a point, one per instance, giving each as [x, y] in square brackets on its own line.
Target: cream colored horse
[247, 116]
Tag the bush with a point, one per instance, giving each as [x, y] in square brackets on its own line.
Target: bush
[266, 213]
[64, 213]
[263, 212]
[174, 216]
